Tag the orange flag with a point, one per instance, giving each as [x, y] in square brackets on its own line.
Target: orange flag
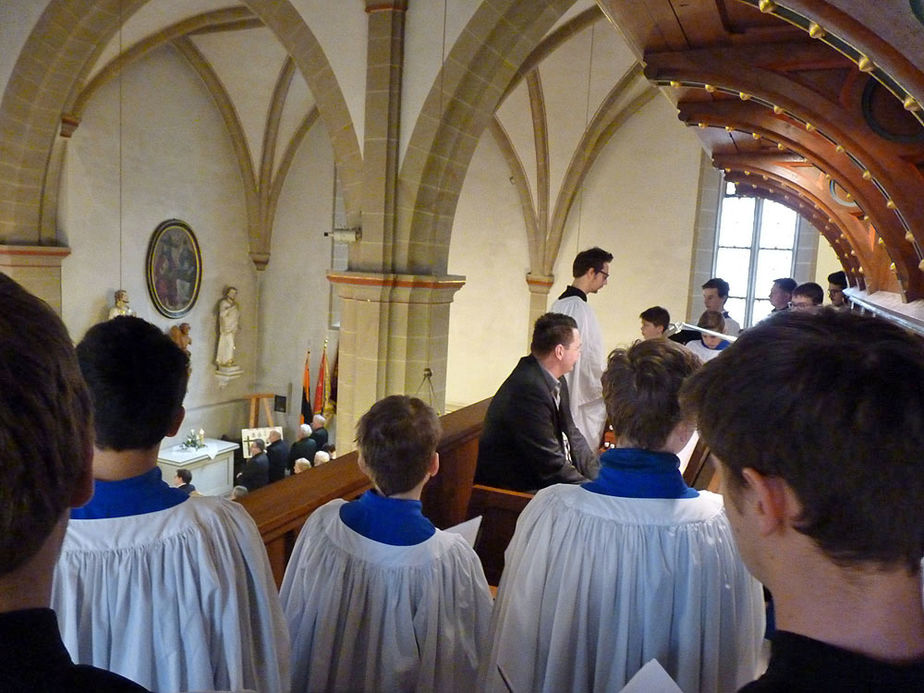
[322, 389]
[306, 391]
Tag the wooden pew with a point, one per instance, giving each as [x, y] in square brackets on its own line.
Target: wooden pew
[280, 509]
[446, 496]
[702, 472]
[499, 509]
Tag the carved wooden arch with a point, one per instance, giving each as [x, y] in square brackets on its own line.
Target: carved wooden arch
[812, 187]
[828, 227]
[877, 172]
[751, 118]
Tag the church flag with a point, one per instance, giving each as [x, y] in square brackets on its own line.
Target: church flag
[306, 391]
[331, 407]
[322, 389]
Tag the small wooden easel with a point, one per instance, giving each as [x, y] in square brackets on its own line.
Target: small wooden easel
[263, 397]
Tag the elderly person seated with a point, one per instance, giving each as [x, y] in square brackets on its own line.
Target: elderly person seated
[302, 465]
[635, 565]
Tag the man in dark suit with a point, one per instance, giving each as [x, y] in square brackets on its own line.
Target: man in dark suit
[529, 439]
[278, 454]
[318, 431]
[256, 472]
[304, 446]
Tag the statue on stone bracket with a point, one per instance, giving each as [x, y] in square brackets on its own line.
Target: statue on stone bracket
[229, 319]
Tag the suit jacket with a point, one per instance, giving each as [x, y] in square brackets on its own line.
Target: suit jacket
[319, 436]
[255, 473]
[278, 454]
[306, 447]
[521, 446]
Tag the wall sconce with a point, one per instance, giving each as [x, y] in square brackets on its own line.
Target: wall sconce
[345, 234]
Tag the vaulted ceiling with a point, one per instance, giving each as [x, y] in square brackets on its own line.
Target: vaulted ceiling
[817, 105]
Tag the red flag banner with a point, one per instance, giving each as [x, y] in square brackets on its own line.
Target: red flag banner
[322, 389]
[331, 407]
[306, 391]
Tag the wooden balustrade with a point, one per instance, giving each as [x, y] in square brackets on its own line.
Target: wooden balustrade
[281, 508]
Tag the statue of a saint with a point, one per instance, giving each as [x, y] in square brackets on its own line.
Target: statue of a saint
[120, 305]
[229, 317]
[180, 336]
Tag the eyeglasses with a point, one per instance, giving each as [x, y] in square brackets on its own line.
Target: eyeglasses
[801, 305]
[605, 274]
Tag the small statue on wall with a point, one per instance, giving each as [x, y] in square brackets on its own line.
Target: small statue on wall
[180, 336]
[120, 305]
[229, 318]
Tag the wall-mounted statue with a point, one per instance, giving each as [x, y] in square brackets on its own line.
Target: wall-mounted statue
[120, 305]
[180, 336]
[229, 319]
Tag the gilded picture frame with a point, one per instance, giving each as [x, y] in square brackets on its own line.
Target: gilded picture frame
[173, 268]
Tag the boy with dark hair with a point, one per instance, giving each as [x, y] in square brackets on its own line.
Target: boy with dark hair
[376, 597]
[46, 449]
[808, 296]
[145, 568]
[601, 578]
[715, 294]
[823, 471]
[781, 293]
[655, 321]
[184, 479]
[837, 282]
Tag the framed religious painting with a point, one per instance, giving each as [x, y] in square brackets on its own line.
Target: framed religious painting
[173, 268]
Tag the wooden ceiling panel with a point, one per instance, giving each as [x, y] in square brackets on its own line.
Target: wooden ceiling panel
[805, 74]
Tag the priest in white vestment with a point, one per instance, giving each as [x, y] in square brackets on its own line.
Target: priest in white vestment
[601, 578]
[376, 597]
[591, 270]
[167, 589]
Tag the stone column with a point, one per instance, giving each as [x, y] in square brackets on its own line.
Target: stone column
[393, 328]
[539, 287]
[37, 268]
[384, 66]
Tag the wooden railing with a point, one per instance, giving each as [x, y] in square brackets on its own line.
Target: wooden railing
[281, 508]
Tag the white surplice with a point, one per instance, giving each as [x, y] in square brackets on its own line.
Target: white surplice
[595, 586]
[179, 599]
[584, 387]
[364, 615]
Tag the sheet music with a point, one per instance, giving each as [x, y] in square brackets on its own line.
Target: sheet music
[468, 529]
[651, 678]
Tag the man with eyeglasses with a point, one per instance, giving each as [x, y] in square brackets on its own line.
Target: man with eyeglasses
[807, 297]
[837, 282]
[591, 270]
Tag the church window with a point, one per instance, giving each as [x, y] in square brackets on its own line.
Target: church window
[755, 243]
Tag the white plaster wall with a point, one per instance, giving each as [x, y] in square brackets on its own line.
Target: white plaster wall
[638, 202]
[295, 293]
[825, 264]
[488, 320]
[176, 162]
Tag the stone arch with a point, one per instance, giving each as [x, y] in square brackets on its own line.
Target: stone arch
[298, 40]
[469, 87]
[55, 57]
[51, 70]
